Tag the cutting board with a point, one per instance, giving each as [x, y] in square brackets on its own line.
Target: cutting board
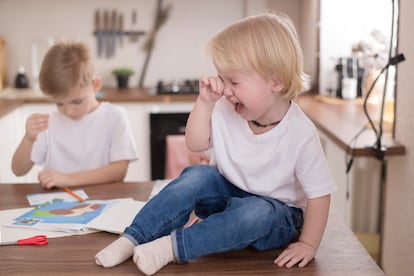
[3, 64]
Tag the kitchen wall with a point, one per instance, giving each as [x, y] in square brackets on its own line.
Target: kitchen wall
[398, 254]
[180, 43]
[179, 50]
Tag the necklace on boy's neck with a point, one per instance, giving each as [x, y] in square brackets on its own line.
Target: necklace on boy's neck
[256, 123]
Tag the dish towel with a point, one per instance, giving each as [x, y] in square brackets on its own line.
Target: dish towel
[176, 155]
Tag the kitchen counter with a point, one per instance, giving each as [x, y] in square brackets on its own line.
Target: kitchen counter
[11, 99]
[340, 120]
[15, 97]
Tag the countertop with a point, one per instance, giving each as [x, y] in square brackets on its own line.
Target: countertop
[340, 120]
[11, 98]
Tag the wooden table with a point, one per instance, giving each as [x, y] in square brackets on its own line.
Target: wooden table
[339, 254]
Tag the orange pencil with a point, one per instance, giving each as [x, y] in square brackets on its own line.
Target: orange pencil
[69, 191]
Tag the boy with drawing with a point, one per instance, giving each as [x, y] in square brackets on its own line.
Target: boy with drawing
[83, 141]
[268, 184]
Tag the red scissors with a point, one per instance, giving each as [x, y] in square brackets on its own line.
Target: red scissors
[35, 240]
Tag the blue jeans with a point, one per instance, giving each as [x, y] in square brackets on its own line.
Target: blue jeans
[232, 218]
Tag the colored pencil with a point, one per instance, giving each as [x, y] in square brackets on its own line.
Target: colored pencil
[69, 191]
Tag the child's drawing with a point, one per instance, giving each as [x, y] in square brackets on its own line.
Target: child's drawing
[62, 212]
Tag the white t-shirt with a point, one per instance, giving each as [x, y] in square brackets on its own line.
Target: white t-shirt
[286, 163]
[97, 139]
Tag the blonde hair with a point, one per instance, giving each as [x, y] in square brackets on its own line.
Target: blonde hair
[67, 65]
[265, 43]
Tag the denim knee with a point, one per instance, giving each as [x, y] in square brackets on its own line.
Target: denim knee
[253, 211]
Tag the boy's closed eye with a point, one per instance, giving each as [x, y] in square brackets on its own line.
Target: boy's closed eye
[77, 101]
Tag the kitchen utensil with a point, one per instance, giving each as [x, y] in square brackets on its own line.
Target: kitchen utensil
[3, 64]
[121, 29]
[99, 32]
[106, 40]
[113, 32]
[35, 240]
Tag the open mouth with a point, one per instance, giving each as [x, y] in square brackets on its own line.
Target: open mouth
[238, 107]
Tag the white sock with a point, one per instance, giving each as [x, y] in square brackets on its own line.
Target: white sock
[151, 257]
[115, 253]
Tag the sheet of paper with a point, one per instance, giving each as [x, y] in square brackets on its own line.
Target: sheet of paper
[41, 198]
[8, 234]
[115, 219]
[61, 216]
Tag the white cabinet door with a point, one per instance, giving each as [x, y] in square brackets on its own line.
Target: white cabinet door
[12, 129]
[9, 140]
[357, 197]
[137, 170]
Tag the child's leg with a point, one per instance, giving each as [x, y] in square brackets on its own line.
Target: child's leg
[261, 222]
[115, 253]
[171, 208]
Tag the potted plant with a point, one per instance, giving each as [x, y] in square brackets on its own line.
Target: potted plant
[122, 76]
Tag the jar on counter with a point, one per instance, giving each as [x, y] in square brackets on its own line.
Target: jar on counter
[21, 80]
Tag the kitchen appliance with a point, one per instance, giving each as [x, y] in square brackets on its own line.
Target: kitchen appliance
[186, 86]
[21, 80]
[348, 72]
[162, 125]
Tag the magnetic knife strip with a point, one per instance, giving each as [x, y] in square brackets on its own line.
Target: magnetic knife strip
[109, 31]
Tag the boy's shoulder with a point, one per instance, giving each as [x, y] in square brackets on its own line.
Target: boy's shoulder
[111, 108]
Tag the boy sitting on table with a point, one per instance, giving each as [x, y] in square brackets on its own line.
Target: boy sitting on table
[83, 141]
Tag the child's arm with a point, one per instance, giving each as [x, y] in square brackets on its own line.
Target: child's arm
[21, 162]
[113, 172]
[197, 131]
[303, 251]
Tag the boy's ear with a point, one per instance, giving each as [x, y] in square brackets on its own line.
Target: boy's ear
[96, 84]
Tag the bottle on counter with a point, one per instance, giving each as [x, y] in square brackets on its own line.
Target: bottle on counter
[21, 80]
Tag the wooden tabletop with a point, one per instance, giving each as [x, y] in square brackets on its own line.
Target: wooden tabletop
[339, 254]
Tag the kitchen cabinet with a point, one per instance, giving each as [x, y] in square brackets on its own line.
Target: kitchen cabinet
[357, 197]
[8, 143]
[12, 128]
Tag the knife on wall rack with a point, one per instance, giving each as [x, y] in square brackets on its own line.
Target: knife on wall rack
[98, 33]
[121, 29]
[107, 41]
[112, 33]
[109, 31]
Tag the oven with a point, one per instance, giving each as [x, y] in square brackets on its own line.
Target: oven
[162, 126]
